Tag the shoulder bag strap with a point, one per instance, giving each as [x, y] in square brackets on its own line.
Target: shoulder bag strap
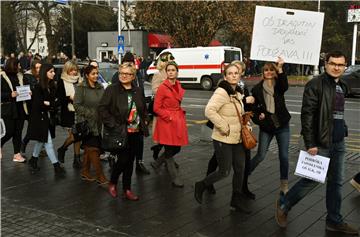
[238, 114]
[7, 80]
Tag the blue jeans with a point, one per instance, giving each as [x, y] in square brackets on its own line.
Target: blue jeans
[335, 177]
[283, 138]
[49, 148]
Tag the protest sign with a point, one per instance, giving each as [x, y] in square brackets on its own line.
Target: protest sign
[312, 167]
[23, 93]
[295, 35]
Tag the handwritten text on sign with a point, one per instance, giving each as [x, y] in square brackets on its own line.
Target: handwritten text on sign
[312, 167]
[294, 35]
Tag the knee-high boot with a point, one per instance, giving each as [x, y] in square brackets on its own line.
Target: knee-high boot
[95, 161]
[176, 181]
[158, 162]
[238, 204]
[85, 170]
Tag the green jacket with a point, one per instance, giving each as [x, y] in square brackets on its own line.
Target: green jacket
[86, 102]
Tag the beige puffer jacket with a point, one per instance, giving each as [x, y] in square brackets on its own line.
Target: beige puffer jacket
[222, 113]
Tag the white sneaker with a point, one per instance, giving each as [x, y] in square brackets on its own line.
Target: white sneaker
[18, 158]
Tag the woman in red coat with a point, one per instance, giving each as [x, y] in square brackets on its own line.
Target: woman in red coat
[170, 129]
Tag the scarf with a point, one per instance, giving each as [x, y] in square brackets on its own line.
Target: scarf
[268, 92]
[69, 87]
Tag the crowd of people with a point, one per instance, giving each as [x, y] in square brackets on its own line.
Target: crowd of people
[84, 99]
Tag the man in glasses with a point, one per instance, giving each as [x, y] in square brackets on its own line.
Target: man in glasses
[323, 129]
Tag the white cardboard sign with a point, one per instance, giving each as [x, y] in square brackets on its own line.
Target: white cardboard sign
[312, 167]
[295, 35]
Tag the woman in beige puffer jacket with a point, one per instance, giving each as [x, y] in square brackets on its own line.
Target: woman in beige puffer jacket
[222, 110]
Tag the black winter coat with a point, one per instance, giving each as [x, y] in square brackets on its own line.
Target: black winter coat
[281, 111]
[9, 107]
[42, 117]
[317, 110]
[113, 107]
[67, 118]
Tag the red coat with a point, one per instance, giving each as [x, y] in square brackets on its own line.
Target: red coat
[170, 126]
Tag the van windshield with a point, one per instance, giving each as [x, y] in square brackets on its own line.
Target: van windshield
[231, 55]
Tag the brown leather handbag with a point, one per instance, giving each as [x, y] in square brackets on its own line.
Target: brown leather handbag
[248, 138]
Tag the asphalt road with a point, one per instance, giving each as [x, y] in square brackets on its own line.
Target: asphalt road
[195, 101]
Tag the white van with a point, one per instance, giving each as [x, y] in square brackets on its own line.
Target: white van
[200, 65]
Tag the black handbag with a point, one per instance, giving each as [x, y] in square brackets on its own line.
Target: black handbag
[150, 107]
[114, 139]
[81, 130]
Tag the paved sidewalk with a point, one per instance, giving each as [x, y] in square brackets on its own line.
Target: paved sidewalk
[42, 205]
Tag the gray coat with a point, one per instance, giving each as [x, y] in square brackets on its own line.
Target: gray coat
[86, 102]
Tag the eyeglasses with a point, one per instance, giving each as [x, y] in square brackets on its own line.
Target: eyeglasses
[126, 74]
[336, 65]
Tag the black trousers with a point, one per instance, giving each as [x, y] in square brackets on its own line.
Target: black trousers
[125, 161]
[14, 129]
[213, 164]
[171, 151]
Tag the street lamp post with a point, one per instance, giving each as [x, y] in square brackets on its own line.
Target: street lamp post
[119, 27]
[316, 67]
[72, 30]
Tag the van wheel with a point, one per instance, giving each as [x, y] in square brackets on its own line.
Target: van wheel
[206, 83]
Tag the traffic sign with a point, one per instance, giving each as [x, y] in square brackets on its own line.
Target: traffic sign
[121, 45]
[64, 2]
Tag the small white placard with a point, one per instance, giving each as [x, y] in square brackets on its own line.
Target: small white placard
[295, 35]
[312, 167]
[23, 93]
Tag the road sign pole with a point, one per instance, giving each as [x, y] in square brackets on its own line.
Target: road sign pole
[354, 44]
[119, 27]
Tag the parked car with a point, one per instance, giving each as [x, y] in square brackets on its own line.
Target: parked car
[352, 77]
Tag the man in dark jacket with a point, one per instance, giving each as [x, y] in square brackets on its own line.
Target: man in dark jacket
[323, 130]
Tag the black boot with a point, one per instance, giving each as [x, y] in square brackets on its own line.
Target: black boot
[245, 189]
[59, 171]
[199, 190]
[33, 164]
[238, 204]
[140, 167]
[156, 150]
[61, 154]
[211, 189]
[77, 162]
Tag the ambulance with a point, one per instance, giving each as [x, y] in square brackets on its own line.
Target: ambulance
[201, 65]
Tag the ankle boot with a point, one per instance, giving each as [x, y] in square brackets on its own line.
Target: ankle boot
[174, 174]
[199, 190]
[245, 188]
[59, 171]
[140, 167]
[77, 162]
[95, 161]
[211, 189]
[158, 162]
[238, 204]
[284, 185]
[33, 164]
[85, 170]
[61, 154]
[156, 150]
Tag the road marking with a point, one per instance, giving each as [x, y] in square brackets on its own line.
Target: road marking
[294, 112]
